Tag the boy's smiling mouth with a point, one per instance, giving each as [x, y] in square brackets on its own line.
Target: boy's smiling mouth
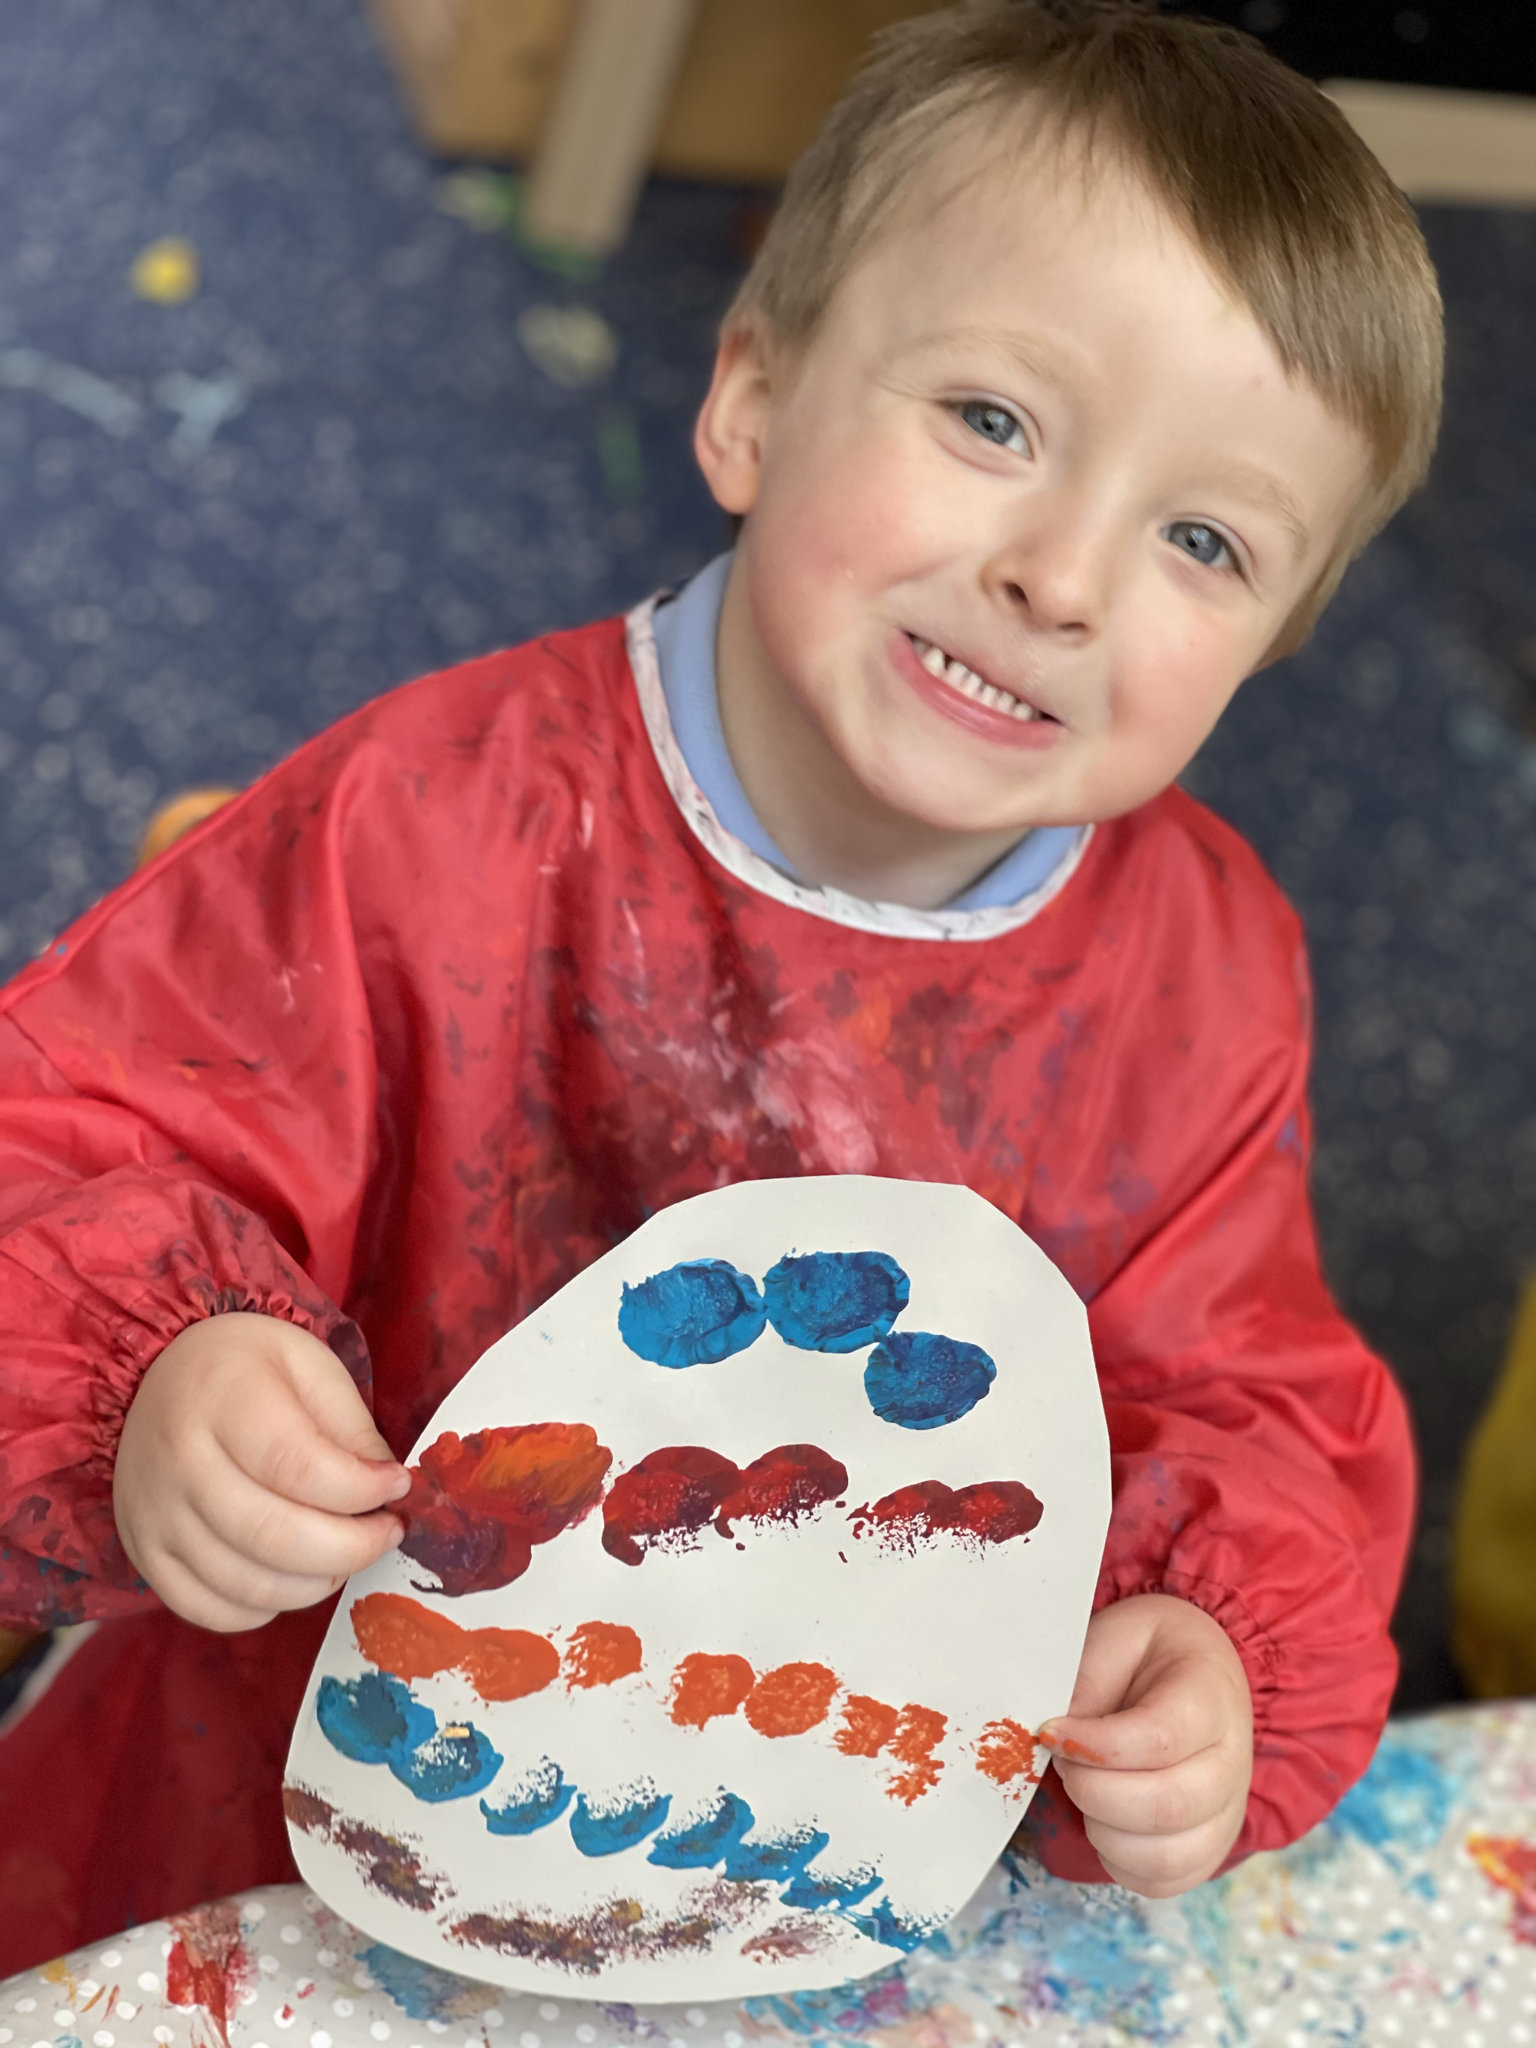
[956, 675]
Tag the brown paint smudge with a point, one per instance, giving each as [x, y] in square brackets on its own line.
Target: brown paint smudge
[390, 1866]
[618, 1930]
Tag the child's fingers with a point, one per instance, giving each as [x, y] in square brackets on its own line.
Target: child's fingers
[1161, 1866]
[284, 1535]
[328, 1391]
[181, 1587]
[1172, 1720]
[238, 1581]
[1152, 1802]
[284, 1451]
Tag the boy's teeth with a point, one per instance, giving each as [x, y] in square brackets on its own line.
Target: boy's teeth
[968, 683]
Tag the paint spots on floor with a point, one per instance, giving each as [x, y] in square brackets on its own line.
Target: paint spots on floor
[835, 1301]
[421, 1990]
[990, 1512]
[479, 1504]
[670, 1496]
[695, 1313]
[376, 1720]
[919, 1380]
[1511, 1865]
[209, 1968]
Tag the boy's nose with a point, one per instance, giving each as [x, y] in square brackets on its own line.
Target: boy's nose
[1057, 575]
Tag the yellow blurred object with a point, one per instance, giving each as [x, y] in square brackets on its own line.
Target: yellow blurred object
[1494, 1573]
[167, 272]
[13, 1647]
[178, 816]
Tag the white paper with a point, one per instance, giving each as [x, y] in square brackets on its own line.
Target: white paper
[942, 1627]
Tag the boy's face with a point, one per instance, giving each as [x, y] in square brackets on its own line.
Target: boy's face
[1035, 437]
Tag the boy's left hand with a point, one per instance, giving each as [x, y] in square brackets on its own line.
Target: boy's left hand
[1157, 1749]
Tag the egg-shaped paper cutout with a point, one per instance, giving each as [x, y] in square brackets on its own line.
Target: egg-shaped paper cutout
[698, 1683]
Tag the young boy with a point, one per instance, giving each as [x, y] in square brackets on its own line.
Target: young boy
[1086, 349]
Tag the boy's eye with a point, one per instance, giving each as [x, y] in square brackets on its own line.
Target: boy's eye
[1202, 543]
[994, 423]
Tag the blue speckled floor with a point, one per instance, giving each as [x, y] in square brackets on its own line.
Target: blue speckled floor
[338, 466]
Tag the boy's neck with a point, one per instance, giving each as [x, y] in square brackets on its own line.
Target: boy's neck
[832, 830]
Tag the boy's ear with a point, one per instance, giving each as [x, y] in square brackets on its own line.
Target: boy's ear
[732, 429]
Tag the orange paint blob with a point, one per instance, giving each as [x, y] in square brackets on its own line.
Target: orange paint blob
[1068, 1746]
[1511, 1864]
[600, 1652]
[920, 1732]
[508, 1663]
[791, 1699]
[409, 1641]
[868, 1725]
[1005, 1750]
[704, 1687]
[404, 1638]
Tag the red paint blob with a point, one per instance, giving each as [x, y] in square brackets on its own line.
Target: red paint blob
[478, 1504]
[784, 1485]
[791, 1699]
[671, 1494]
[1005, 1750]
[1511, 1864]
[992, 1511]
[667, 1498]
[868, 1725]
[209, 1965]
[409, 1641]
[600, 1652]
[704, 1687]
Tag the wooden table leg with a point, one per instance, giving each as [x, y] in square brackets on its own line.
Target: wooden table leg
[608, 105]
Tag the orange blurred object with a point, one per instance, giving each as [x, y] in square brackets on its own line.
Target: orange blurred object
[176, 817]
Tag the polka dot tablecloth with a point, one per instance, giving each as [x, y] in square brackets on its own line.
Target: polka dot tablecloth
[1407, 1920]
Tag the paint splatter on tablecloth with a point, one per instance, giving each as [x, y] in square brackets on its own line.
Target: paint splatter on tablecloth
[1409, 1917]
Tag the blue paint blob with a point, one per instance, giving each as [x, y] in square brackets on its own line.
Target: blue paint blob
[693, 1314]
[621, 1823]
[372, 1718]
[540, 1796]
[812, 1889]
[451, 1764]
[1403, 1802]
[702, 1842]
[421, 1990]
[921, 1381]
[835, 1301]
[884, 1924]
[777, 1860]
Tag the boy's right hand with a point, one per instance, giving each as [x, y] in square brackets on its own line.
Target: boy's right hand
[250, 1478]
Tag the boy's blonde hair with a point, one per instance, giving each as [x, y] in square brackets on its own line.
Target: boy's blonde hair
[1284, 201]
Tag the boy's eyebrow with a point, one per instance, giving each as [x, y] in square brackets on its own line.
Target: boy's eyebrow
[1270, 495]
[1033, 352]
